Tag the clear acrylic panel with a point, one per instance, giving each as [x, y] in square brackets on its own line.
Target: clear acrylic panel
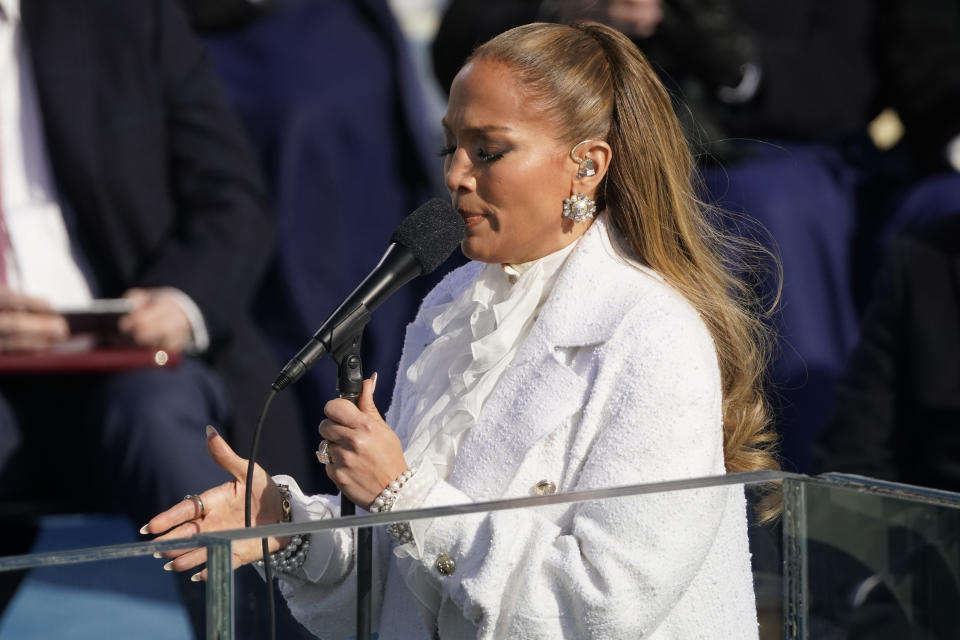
[871, 559]
[764, 543]
[850, 558]
[231, 595]
[76, 586]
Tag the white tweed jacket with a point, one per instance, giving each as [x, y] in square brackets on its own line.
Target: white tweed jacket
[617, 383]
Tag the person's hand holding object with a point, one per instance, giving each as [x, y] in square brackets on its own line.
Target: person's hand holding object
[365, 454]
[28, 323]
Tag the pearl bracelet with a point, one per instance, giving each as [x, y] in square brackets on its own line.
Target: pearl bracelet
[389, 496]
[399, 531]
[292, 556]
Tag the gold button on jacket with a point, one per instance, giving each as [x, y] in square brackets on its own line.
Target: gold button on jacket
[445, 564]
[544, 488]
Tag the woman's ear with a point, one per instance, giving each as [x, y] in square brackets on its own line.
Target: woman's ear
[591, 160]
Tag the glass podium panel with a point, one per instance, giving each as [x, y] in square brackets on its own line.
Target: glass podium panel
[850, 558]
[64, 595]
[337, 613]
[871, 559]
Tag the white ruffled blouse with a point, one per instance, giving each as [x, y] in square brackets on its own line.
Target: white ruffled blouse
[479, 335]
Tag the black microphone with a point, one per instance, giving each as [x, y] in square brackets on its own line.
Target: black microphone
[424, 239]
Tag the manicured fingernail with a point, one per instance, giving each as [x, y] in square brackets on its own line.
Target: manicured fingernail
[195, 577]
[143, 529]
[168, 566]
[373, 379]
[157, 555]
[211, 431]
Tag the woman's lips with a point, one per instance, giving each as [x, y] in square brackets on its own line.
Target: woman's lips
[471, 219]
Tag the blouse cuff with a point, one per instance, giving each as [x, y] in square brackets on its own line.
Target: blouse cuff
[414, 493]
[323, 544]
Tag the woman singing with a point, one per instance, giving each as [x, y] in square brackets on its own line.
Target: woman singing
[597, 339]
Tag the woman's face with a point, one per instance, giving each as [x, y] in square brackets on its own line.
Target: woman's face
[507, 174]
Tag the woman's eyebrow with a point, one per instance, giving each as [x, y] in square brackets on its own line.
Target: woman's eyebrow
[480, 128]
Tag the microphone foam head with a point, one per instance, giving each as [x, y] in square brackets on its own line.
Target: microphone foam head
[431, 233]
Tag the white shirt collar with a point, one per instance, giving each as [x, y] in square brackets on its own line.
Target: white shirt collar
[10, 10]
[551, 263]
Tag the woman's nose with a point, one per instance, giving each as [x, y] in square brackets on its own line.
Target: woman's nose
[458, 172]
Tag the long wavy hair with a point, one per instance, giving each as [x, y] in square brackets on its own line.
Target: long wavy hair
[595, 84]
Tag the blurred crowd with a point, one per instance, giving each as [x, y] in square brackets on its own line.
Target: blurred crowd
[237, 167]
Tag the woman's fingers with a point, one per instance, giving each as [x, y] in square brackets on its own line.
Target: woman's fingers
[336, 433]
[182, 513]
[225, 456]
[349, 426]
[222, 508]
[365, 402]
[246, 551]
[343, 412]
[172, 525]
[188, 560]
[237, 562]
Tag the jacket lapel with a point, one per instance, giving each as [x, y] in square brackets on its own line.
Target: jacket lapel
[537, 393]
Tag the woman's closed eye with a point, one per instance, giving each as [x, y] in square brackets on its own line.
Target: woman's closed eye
[482, 154]
[486, 156]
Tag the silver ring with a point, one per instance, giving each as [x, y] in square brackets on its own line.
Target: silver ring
[198, 503]
[322, 454]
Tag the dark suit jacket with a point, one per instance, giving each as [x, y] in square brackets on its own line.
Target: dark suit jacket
[331, 101]
[898, 408]
[159, 178]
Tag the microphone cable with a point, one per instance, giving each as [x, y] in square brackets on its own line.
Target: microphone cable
[247, 505]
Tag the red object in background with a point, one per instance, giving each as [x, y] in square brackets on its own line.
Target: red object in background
[100, 360]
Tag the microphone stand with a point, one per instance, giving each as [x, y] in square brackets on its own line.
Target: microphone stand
[349, 386]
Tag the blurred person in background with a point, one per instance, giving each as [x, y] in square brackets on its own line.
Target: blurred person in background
[897, 415]
[124, 173]
[329, 97]
[898, 408]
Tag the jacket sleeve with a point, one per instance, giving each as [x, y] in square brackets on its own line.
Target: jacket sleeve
[222, 233]
[617, 564]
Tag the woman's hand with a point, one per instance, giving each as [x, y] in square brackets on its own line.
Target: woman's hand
[223, 508]
[366, 455]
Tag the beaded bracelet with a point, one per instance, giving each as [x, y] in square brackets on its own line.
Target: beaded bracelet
[389, 496]
[291, 557]
[399, 531]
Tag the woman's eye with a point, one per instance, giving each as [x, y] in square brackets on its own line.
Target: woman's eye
[488, 157]
[446, 151]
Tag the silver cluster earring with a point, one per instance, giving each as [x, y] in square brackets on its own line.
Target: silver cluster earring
[579, 207]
